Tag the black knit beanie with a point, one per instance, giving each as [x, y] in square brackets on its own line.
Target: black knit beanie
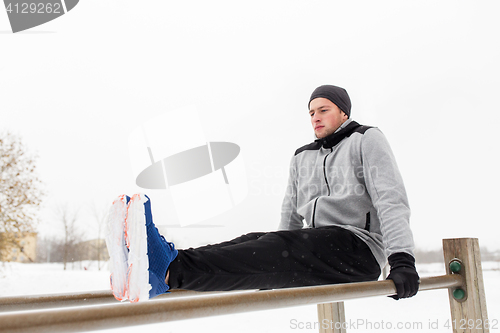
[336, 95]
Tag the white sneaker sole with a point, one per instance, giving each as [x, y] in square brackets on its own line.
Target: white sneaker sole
[115, 242]
[136, 239]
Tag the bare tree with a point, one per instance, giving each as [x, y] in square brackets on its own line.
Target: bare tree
[72, 236]
[49, 249]
[100, 215]
[20, 191]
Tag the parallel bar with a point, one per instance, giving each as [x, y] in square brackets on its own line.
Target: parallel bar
[155, 311]
[38, 302]
[32, 302]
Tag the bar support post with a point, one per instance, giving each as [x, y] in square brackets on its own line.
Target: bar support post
[331, 317]
[467, 303]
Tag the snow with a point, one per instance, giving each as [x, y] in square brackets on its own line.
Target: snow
[426, 312]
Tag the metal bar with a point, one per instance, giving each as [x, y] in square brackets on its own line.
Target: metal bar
[32, 302]
[155, 311]
[38, 302]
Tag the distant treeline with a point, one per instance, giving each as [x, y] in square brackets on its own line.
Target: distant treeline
[430, 256]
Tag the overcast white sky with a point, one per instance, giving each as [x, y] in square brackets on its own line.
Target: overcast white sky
[425, 72]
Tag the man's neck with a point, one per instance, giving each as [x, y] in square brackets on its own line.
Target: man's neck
[344, 130]
[344, 124]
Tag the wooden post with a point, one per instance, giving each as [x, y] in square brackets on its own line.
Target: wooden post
[331, 317]
[468, 313]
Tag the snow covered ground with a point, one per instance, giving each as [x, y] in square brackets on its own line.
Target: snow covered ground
[426, 312]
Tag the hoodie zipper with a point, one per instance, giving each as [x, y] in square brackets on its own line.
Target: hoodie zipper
[314, 212]
[324, 171]
[327, 186]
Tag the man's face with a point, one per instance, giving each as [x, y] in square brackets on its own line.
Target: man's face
[326, 117]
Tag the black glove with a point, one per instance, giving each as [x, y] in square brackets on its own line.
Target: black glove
[404, 275]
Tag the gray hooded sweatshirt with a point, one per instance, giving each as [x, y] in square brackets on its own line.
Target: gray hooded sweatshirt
[350, 179]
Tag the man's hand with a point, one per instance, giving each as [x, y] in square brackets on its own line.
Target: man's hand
[404, 275]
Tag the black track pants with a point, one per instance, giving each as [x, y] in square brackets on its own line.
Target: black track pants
[272, 260]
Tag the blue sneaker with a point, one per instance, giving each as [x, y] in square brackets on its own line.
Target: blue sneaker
[149, 253]
[118, 252]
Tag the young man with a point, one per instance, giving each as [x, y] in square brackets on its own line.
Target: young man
[344, 213]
